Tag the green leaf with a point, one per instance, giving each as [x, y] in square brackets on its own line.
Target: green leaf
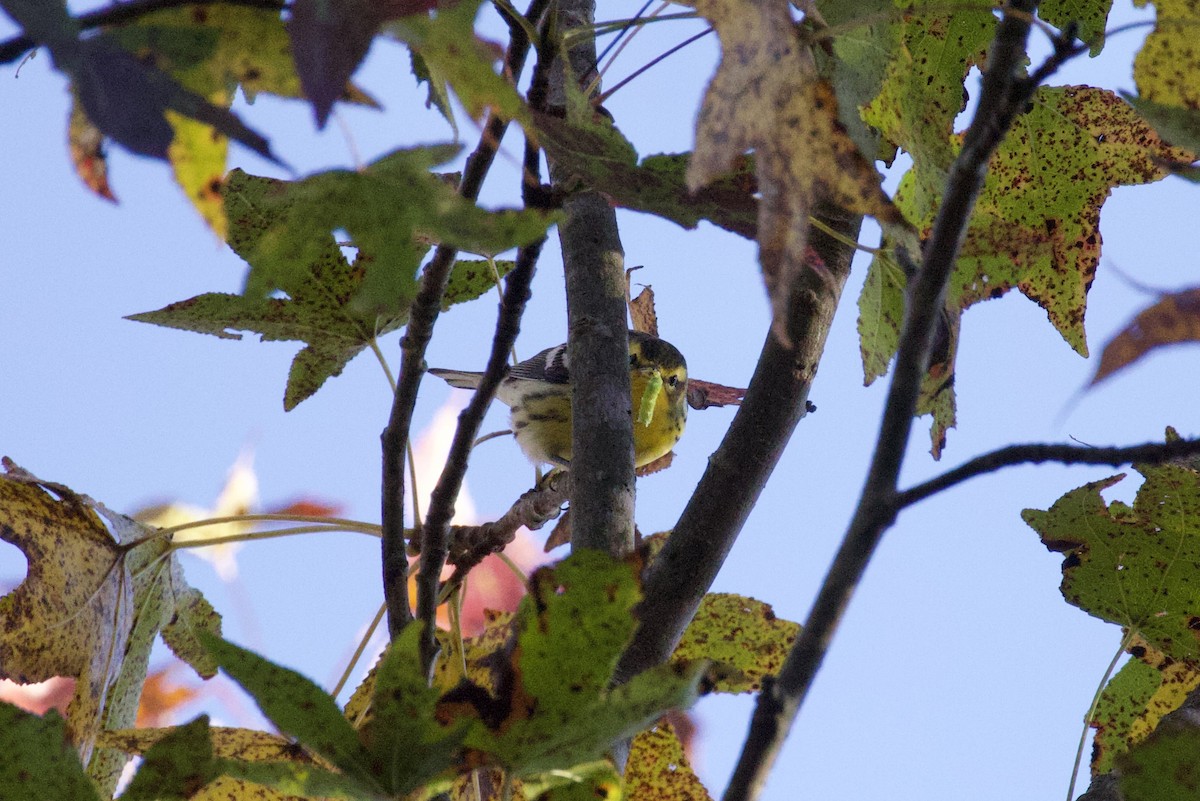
[39, 761]
[292, 779]
[1090, 15]
[740, 633]
[1165, 68]
[594, 152]
[1135, 700]
[407, 741]
[317, 313]
[592, 781]
[297, 706]
[864, 46]
[922, 93]
[471, 278]
[1175, 124]
[452, 52]
[1163, 768]
[1133, 566]
[659, 770]
[176, 767]
[282, 227]
[560, 711]
[439, 95]
[192, 612]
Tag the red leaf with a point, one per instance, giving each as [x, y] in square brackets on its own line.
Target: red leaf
[703, 394]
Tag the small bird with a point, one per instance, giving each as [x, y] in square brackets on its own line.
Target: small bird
[538, 390]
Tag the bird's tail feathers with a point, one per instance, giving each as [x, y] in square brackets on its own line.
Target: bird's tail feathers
[462, 379]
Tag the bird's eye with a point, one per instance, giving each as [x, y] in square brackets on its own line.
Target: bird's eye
[633, 360]
[673, 381]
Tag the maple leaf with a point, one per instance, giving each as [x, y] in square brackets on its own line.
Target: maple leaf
[1133, 565]
[99, 589]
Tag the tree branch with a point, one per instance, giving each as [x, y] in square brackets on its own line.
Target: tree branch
[120, 13]
[435, 533]
[775, 401]
[602, 500]
[1004, 95]
[470, 545]
[425, 308]
[1038, 453]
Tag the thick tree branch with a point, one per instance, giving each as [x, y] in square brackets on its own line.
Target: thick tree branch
[775, 401]
[602, 500]
[1004, 95]
[1038, 453]
[435, 533]
[120, 13]
[425, 308]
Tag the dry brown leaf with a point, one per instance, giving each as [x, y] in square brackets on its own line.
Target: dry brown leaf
[1173, 319]
[766, 97]
[641, 308]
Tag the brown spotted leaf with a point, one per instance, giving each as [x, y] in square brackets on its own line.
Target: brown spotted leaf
[739, 633]
[86, 142]
[1173, 319]
[1035, 226]
[1148, 687]
[659, 770]
[766, 97]
[641, 309]
[1133, 566]
[90, 607]
[1165, 68]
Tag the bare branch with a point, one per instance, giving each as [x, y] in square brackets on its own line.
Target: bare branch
[425, 308]
[1005, 93]
[1038, 453]
[435, 533]
[774, 403]
[120, 13]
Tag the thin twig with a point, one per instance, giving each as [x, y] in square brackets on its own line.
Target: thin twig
[1004, 95]
[435, 533]
[120, 13]
[1038, 453]
[425, 308]
[599, 100]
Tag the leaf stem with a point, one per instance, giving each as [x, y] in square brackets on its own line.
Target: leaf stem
[1126, 641]
[358, 652]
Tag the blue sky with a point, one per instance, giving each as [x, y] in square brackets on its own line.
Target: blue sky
[959, 670]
